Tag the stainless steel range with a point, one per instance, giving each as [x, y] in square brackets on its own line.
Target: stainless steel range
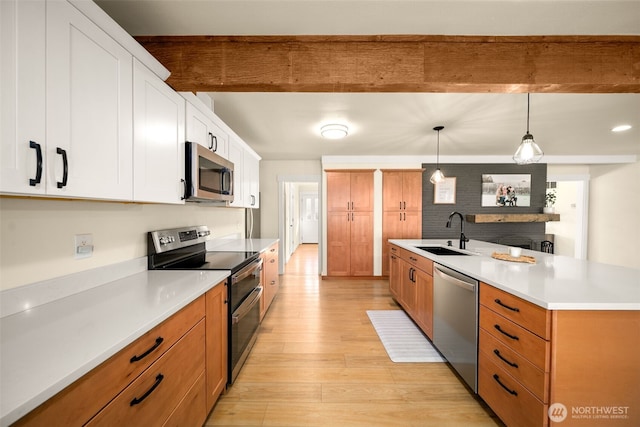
[185, 249]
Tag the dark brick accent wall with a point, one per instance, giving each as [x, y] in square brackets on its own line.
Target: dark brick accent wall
[468, 201]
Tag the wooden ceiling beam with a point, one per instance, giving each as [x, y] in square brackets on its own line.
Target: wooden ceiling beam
[474, 64]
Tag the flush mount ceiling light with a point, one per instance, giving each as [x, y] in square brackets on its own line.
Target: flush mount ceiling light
[528, 151]
[334, 131]
[621, 128]
[437, 176]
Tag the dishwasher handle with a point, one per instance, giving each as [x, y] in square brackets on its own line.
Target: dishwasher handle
[454, 280]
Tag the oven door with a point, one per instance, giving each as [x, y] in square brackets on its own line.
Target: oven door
[209, 176]
[245, 293]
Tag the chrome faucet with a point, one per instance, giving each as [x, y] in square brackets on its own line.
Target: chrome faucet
[463, 238]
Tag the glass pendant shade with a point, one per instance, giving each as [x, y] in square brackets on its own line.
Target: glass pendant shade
[528, 151]
[437, 176]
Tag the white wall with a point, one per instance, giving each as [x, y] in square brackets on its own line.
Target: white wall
[269, 172]
[37, 236]
[614, 214]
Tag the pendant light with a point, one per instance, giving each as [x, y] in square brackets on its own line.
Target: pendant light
[437, 175]
[528, 151]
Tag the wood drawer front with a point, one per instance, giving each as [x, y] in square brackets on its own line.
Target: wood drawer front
[521, 409]
[528, 315]
[532, 377]
[417, 261]
[528, 345]
[160, 388]
[192, 411]
[71, 407]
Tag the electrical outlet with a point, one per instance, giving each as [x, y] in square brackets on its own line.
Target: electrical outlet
[83, 246]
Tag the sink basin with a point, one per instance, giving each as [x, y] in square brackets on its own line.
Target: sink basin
[440, 250]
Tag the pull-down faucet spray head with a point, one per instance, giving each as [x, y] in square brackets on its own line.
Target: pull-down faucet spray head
[463, 238]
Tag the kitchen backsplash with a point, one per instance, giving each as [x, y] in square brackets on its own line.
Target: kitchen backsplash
[469, 201]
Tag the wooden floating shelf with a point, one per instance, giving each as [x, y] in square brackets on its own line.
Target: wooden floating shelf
[496, 218]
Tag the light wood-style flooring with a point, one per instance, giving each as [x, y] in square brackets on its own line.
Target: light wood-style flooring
[319, 362]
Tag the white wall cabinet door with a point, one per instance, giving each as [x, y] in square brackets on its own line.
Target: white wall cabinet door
[202, 129]
[251, 180]
[158, 139]
[89, 108]
[22, 88]
[236, 156]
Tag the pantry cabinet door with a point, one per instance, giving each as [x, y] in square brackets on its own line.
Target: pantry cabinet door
[158, 147]
[22, 88]
[236, 156]
[89, 109]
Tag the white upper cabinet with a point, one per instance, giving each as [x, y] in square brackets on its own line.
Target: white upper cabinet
[158, 139]
[236, 156]
[22, 88]
[202, 127]
[89, 108]
[251, 179]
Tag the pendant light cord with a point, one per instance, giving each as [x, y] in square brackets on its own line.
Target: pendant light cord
[438, 152]
[528, 112]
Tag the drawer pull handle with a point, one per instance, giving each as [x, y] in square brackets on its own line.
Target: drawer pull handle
[513, 337]
[515, 365]
[497, 378]
[159, 379]
[146, 353]
[517, 310]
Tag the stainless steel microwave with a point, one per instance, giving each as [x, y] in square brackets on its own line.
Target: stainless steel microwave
[209, 177]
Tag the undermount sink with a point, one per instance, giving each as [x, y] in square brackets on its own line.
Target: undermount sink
[440, 250]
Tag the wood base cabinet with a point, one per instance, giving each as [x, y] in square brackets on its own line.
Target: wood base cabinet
[270, 277]
[171, 376]
[581, 364]
[350, 223]
[411, 285]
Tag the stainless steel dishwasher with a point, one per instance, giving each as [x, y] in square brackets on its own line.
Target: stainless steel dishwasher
[455, 321]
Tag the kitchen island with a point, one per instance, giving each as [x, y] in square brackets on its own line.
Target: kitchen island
[558, 341]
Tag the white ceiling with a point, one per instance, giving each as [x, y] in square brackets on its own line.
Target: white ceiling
[286, 125]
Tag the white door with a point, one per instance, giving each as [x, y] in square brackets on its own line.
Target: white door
[89, 108]
[158, 134]
[309, 217]
[22, 88]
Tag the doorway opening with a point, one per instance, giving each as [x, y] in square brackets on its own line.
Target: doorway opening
[299, 207]
[572, 203]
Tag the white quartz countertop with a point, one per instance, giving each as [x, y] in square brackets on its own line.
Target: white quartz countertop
[48, 347]
[240, 245]
[554, 282]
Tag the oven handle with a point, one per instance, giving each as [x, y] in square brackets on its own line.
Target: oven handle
[246, 305]
[247, 271]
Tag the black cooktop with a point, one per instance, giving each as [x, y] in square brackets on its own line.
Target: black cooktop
[227, 260]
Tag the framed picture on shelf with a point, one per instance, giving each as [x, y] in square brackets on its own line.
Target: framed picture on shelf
[508, 190]
[444, 192]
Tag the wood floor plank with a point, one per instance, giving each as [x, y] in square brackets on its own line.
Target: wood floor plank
[319, 362]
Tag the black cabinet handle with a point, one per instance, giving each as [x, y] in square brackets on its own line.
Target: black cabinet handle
[38, 178]
[137, 400]
[497, 353]
[497, 378]
[517, 310]
[146, 353]
[513, 337]
[211, 141]
[65, 166]
[404, 205]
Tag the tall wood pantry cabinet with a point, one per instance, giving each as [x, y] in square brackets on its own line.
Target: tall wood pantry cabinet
[350, 223]
[402, 208]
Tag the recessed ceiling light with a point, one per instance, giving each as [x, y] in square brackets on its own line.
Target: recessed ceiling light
[334, 131]
[621, 128]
